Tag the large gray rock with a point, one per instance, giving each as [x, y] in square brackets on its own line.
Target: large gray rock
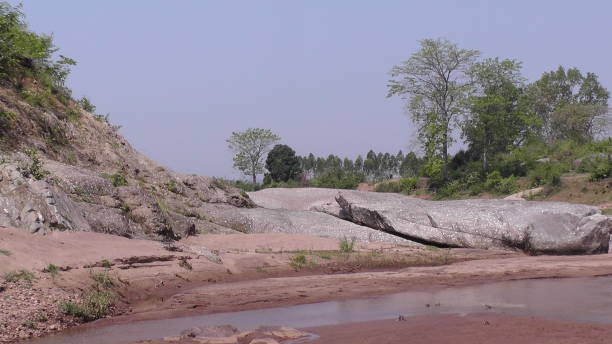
[536, 227]
[261, 220]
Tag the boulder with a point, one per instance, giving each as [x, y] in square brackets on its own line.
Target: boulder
[261, 220]
[536, 227]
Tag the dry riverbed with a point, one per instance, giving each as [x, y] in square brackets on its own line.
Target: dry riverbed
[215, 273]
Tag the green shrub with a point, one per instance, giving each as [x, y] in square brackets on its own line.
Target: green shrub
[449, 191]
[7, 121]
[497, 184]
[546, 174]
[73, 114]
[298, 261]
[602, 171]
[118, 179]
[338, 179]
[172, 186]
[51, 269]
[21, 275]
[346, 245]
[86, 105]
[5, 252]
[408, 184]
[390, 186]
[35, 170]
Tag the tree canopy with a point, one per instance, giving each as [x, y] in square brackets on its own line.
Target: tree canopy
[250, 148]
[435, 83]
[283, 164]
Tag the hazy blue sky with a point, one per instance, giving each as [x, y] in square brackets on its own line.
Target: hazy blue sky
[180, 76]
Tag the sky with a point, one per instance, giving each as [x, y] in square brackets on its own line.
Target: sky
[181, 76]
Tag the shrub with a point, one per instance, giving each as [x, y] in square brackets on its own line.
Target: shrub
[298, 261]
[602, 171]
[449, 191]
[172, 186]
[86, 105]
[390, 186]
[546, 174]
[346, 245]
[35, 170]
[408, 184]
[338, 179]
[118, 179]
[5, 252]
[73, 114]
[497, 184]
[51, 269]
[7, 121]
[21, 275]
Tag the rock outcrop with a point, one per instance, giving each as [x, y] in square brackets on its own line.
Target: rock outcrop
[262, 220]
[536, 227]
[77, 173]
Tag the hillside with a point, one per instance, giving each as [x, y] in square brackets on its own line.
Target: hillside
[64, 168]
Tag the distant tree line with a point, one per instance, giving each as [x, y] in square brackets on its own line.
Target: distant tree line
[510, 128]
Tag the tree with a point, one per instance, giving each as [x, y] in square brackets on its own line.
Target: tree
[435, 83]
[250, 147]
[497, 116]
[283, 164]
[561, 97]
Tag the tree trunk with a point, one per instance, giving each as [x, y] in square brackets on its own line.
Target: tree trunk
[254, 179]
[445, 153]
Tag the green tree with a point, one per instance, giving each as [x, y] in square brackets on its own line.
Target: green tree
[27, 54]
[569, 105]
[250, 147]
[497, 116]
[283, 164]
[434, 82]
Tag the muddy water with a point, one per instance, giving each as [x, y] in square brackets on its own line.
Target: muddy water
[577, 299]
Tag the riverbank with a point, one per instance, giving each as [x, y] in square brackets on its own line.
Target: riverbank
[218, 273]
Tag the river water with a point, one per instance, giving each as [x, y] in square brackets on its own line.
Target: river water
[575, 299]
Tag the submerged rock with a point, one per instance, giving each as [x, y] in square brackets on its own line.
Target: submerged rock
[535, 227]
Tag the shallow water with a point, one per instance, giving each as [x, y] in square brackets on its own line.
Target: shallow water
[576, 299]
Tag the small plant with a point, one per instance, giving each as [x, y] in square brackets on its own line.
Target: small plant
[185, 264]
[298, 261]
[5, 252]
[42, 317]
[73, 114]
[29, 324]
[35, 170]
[172, 186]
[118, 180]
[7, 120]
[86, 105]
[51, 269]
[346, 245]
[106, 264]
[124, 207]
[21, 275]
[103, 280]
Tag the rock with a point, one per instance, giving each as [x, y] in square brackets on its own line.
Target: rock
[521, 195]
[263, 341]
[536, 227]
[260, 220]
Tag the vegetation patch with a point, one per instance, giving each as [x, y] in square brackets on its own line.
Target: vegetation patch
[346, 245]
[97, 301]
[5, 252]
[51, 269]
[21, 275]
